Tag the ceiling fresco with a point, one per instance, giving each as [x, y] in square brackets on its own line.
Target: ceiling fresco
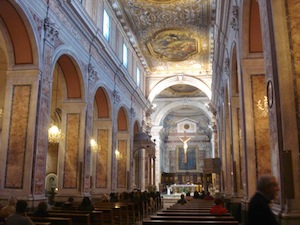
[181, 91]
[174, 36]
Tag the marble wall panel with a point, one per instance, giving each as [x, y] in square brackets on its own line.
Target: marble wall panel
[261, 127]
[294, 18]
[122, 147]
[17, 136]
[52, 159]
[102, 159]
[72, 149]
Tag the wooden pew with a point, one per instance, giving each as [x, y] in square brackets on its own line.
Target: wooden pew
[77, 218]
[96, 217]
[117, 212]
[193, 218]
[187, 213]
[183, 222]
[186, 210]
[53, 220]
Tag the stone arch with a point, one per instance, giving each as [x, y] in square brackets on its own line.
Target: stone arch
[251, 29]
[102, 98]
[17, 31]
[165, 110]
[122, 120]
[174, 80]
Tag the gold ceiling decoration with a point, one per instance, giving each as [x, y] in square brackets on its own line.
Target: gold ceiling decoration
[147, 18]
[174, 45]
[162, 1]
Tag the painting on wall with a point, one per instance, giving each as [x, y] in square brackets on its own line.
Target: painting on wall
[190, 164]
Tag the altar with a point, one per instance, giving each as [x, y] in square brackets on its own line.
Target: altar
[180, 188]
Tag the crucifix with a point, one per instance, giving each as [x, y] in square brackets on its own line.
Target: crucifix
[185, 139]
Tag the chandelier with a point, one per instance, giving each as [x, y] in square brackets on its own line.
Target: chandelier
[263, 106]
[54, 134]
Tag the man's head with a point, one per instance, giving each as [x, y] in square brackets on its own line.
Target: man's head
[21, 206]
[268, 186]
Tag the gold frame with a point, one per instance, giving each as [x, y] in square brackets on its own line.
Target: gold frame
[160, 34]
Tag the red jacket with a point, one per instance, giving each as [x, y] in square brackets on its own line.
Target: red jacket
[218, 209]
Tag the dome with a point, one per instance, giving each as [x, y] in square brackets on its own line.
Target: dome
[142, 137]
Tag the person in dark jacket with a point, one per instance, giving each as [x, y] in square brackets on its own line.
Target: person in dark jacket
[259, 211]
[86, 205]
[182, 200]
[41, 210]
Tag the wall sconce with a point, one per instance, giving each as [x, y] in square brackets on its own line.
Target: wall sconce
[118, 154]
[1, 112]
[263, 106]
[94, 145]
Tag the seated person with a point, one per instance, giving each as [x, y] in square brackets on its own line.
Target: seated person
[208, 197]
[196, 194]
[41, 210]
[218, 208]
[10, 208]
[86, 205]
[68, 205]
[188, 196]
[20, 216]
[182, 201]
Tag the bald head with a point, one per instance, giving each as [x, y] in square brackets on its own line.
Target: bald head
[267, 185]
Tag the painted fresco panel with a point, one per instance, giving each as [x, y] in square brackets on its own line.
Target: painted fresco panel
[122, 146]
[102, 159]
[72, 147]
[17, 136]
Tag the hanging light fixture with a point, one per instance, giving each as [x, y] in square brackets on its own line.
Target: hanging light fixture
[118, 154]
[54, 134]
[94, 145]
[263, 106]
[1, 112]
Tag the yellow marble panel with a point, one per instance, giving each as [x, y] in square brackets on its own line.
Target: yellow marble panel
[102, 159]
[72, 148]
[17, 136]
[122, 147]
[261, 127]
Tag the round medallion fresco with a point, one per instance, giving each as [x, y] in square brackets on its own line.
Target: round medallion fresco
[173, 45]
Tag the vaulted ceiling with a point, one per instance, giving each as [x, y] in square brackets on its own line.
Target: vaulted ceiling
[172, 37]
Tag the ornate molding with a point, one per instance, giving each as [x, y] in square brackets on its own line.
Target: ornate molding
[92, 73]
[132, 112]
[51, 33]
[117, 97]
[226, 66]
[235, 18]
